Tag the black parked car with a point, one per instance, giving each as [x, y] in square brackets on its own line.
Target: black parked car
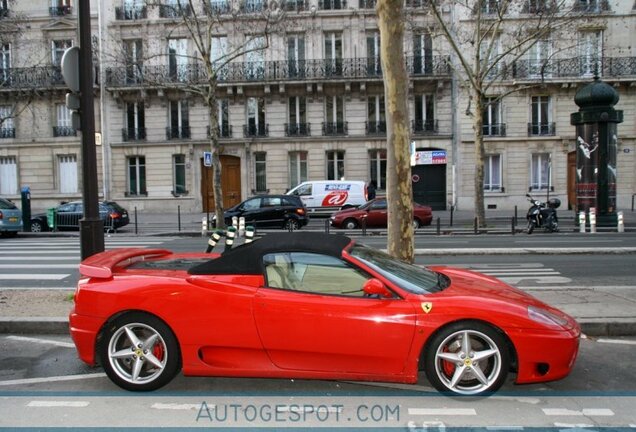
[272, 211]
[67, 216]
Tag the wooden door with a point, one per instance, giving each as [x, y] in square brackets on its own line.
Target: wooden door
[230, 183]
[571, 180]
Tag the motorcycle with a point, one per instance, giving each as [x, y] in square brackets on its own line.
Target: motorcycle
[543, 215]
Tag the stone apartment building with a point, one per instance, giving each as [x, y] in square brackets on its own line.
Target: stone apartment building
[310, 106]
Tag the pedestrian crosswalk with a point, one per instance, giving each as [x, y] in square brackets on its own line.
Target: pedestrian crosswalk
[52, 263]
[521, 274]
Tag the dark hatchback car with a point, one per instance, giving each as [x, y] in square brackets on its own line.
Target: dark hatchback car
[67, 216]
[270, 211]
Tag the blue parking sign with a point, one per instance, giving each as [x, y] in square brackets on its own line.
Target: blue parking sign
[207, 159]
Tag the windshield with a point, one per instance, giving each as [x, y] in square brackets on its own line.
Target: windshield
[412, 278]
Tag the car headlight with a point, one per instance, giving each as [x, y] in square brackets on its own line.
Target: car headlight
[546, 317]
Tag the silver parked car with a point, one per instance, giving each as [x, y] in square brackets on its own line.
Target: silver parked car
[10, 218]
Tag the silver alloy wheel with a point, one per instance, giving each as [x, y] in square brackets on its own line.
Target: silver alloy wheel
[36, 227]
[350, 224]
[292, 224]
[468, 362]
[137, 353]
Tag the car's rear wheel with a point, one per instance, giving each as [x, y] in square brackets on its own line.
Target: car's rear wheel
[292, 225]
[350, 224]
[139, 352]
[467, 358]
[36, 226]
[416, 223]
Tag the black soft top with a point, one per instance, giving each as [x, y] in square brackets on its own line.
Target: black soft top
[247, 258]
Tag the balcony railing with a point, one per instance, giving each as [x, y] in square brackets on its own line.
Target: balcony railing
[133, 134]
[541, 129]
[252, 6]
[494, 129]
[180, 132]
[335, 129]
[60, 10]
[31, 78]
[131, 13]
[423, 127]
[7, 132]
[297, 129]
[176, 11]
[539, 7]
[217, 7]
[417, 3]
[261, 130]
[64, 131]
[223, 132]
[613, 67]
[375, 128]
[332, 4]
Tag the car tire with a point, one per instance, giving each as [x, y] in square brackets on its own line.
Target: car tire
[36, 226]
[350, 224]
[416, 223]
[292, 225]
[139, 352]
[451, 369]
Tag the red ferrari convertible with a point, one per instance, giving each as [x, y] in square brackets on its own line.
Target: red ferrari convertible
[311, 305]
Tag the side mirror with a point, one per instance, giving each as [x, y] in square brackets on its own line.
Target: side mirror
[375, 287]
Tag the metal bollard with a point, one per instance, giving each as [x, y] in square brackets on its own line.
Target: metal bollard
[451, 215]
[230, 234]
[235, 221]
[516, 219]
[582, 221]
[513, 226]
[179, 218]
[136, 221]
[621, 222]
[327, 226]
[363, 222]
[241, 226]
[204, 226]
[439, 226]
[592, 220]
[214, 239]
[476, 226]
[249, 234]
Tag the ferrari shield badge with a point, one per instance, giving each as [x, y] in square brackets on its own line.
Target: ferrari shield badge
[426, 307]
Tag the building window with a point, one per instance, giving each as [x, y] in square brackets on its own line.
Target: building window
[256, 125]
[540, 171]
[60, 7]
[5, 64]
[135, 121]
[335, 165]
[224, 130]
[590, 49]
[179, 120]
[490, 59]
[492, 118]
[297, 168]
[179, 174]
[377, 167]
[132, 10]
[424, 121]
[7, 128]
[137, 176]
[489, 7]
[260, 169]
[133, 52]
[255, 58]
[296, 56]
[332, 4]
[58, 48]
[376, 124]
[334, 116]
[8, 175]
[297, 125]
[538, 56]
[333, 54]
[68, 174]
[540, 123]
[423, 53]
[219, 56]
[63, 127]
[374, 66]
[178, 59]
[492, 173]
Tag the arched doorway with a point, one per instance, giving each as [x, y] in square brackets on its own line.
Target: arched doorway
[428, 177]
[230, 183]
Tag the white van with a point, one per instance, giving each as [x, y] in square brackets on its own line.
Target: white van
[327, 196]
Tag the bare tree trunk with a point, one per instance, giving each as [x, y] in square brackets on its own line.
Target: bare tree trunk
[478, 126]
[217, 189]
[399, 190]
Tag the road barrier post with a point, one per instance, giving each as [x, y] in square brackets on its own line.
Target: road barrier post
[621, 222]
[136, 230]
[582, 221]
[179, 218]
[592, 220]
[439, 227]
[204, 226]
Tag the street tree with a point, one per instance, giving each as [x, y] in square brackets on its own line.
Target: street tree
[399, 189]
[487, 37]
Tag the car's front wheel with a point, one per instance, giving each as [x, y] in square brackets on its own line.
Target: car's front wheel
[139, 352]
[292, 225]
[350, 224]
[467, 358]
[36, 226]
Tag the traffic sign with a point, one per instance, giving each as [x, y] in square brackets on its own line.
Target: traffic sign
[207, 159]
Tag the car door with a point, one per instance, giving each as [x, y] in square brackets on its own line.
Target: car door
[251, 211]
[313, 316]
[377, 214]
[272, 212]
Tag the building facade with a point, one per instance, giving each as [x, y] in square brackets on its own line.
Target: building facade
[308, 107]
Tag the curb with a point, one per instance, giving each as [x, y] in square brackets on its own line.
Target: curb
[591, 327]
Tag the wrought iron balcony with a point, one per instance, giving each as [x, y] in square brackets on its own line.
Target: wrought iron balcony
[332, 4]
[367, 4]
[217, 7]
[31, 78]
[375, 128]
[133, 134]
[176, 11]
[131, 13]
[541, 129]
[424, 127]
[261, 130]
[295, 5]
[335, 129]
[179, 132]
[494, 129]
[7, 132]
[64, 131]
[222, 132]
[539, 7]
[297, 129]
[591, 6]
[60, 10]
[252, 6]
[417, 3]
[613, 67]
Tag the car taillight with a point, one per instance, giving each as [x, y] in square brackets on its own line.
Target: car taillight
[115, 215]
[300, 211]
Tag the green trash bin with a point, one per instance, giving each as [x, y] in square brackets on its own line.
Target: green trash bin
[50, 219]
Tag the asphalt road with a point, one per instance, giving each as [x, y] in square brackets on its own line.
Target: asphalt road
[43, 384]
